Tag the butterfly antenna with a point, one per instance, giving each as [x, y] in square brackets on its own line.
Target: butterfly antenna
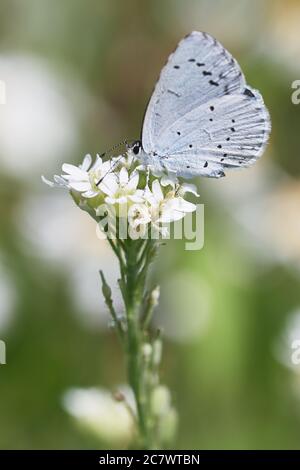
[124, 142]
[111, 169]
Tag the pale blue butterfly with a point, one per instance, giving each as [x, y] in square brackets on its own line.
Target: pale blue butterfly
[202, 118]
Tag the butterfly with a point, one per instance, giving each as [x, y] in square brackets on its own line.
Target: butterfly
[202, 118]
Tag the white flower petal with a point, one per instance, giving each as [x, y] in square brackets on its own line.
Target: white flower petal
[90, 193]
[121, 200]
[123, 176]
[73, 170]
[60, 181]
[76, 177]
[48, 182]
[133, 181]
[139, 217]
[186, 206]
[86, 162]
[109, 185]
[98, 163]
[110, 200]
[80, 186]
[189, 188]
[157, 191]
[175, 209]
[136, 198]
[106, 167]
[114, 162]
[171, 216]
[140, 168]
[151, 199]
[169, 180]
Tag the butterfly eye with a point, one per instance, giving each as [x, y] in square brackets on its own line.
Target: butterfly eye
[136, 148]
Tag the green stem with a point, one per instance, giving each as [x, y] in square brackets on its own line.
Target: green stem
[134, 293]
[135, 257]
[106, 290]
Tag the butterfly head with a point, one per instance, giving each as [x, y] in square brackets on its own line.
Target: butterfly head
[149, 160]
[135, 147]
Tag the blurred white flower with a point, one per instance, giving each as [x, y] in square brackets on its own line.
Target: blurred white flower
[259, 204]
[165, 414]
[7, 300]
[98, 412]
[38, 122]
[285, 347]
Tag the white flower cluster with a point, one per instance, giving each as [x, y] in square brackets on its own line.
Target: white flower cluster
[124, 186]
[98, 412]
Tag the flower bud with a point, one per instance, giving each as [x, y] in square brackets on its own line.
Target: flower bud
[167, 426]
[147, 351]
[157, 351]
[160, 400]
[154, 298]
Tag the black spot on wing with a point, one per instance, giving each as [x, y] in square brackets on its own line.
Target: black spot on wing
[249, 93]
[172, 92]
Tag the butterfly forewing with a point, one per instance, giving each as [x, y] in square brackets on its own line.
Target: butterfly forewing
[202, 117]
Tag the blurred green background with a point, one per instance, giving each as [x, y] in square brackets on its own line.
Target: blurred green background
[78, 75]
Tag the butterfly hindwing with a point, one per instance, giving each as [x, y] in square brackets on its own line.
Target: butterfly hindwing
[228, 132]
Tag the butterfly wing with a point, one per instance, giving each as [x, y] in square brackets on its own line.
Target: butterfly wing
[228, 132]
[200, 102]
